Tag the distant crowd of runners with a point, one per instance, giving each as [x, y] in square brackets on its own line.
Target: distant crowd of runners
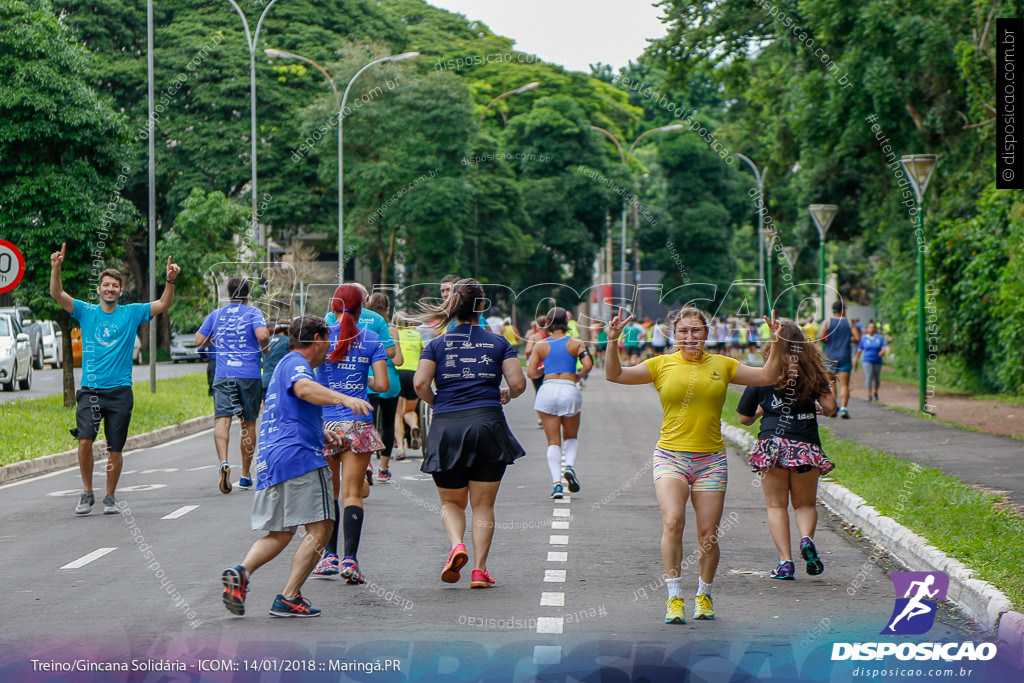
[329, 392]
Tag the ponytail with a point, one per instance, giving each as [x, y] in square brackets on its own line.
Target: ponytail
[347, 304]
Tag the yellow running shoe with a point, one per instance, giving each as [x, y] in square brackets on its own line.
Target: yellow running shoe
[703, 609]
[676, 613]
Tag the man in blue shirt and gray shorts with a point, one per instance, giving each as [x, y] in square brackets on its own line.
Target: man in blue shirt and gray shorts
[837, 334]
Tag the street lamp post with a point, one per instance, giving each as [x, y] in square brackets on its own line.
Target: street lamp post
[759, 176]
[769, 237]
[152, 194]
[919, 168]
[791, 254]
[822, 215]
[517, 91]
[341, 157]
[252, 39]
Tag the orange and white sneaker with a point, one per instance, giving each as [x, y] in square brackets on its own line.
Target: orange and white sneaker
[481, 579]
[457, 559]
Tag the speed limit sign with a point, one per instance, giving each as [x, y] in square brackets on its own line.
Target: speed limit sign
[12, 266]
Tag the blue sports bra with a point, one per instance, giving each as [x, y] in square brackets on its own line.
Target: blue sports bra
[559, 359]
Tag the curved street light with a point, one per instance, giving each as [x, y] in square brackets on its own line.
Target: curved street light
[759, 176]
[517, 91]
[822, 215]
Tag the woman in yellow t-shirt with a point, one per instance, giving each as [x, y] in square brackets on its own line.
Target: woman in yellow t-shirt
[689, 459]
[407, 428]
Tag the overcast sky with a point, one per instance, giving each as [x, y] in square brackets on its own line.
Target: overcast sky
[573, 33]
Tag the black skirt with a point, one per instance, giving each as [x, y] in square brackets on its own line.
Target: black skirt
[464, 437]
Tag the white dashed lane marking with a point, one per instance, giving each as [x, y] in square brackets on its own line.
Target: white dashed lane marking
[549, 624]
[552, 599]
[555, 556]
[86, 559]
[561, 512]
[559, 526]
[180, 512]
[554, 575]
[558, 540]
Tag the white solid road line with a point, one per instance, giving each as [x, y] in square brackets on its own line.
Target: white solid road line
[179, 440]
[180, 512]
[552, 599]
[86, 559]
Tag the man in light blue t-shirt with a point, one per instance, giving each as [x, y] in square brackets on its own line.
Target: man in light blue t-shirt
[238, 334]
[108, 339]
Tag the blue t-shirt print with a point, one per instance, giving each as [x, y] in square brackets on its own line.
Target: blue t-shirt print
[291, 432]
[872, 348]
[108, 340]
[235, 347]
[468, 363]
[349, 376]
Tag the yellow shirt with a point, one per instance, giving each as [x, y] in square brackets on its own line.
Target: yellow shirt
[411, 343]
[692, 396]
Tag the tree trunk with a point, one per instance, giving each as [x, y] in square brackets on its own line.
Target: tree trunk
[64, 320]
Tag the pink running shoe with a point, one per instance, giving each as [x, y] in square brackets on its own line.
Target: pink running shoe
[456, 561]
[481, 579]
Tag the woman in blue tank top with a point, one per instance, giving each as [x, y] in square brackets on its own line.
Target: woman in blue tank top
[559, 401]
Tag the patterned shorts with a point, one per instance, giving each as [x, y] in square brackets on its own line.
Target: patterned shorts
[357, 436]
[702, 471]
[798, 456]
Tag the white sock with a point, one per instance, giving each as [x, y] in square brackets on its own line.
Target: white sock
[703, 588]
[555, 463]
[675, 587]
[570, 447]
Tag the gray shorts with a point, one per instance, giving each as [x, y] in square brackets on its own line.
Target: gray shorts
[558, 397]
[306, 499]
[237, 397]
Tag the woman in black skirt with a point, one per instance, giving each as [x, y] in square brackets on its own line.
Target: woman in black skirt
[469, 443]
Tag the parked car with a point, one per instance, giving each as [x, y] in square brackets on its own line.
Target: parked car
[137, 351]
[183, 347]
[15, 355]
[30, 326]
[53, 343]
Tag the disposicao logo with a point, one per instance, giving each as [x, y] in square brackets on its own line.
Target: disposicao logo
[917, 596]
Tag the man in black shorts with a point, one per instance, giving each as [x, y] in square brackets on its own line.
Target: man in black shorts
[108, 339]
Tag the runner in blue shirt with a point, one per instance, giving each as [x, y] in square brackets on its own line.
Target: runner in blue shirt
[837, 334]
[353, 352]
[872, 346]
[108, 338]
[238, 333]
[291, 474]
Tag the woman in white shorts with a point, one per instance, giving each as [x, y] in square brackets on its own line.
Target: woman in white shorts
[559, 400]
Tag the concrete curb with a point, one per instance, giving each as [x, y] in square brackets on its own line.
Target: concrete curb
[49, 463]
[982, 601]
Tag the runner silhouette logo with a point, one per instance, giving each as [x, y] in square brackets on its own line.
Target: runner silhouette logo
[917, 596]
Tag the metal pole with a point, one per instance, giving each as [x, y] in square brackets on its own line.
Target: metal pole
[152, 195]
[822, 243]
[922, 366]
[636, 249]
[759, 176]
[622, 267]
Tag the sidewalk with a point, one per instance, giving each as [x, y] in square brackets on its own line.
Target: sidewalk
[986, 460]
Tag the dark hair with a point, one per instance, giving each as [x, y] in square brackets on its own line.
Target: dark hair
[347, 304]
[558, 319]
[110, 272]
[302, 331]
[802, 364]
[282, 325]
[838, 307]
[238, 288]
[460, 306]
[379, 303]
[449, 278]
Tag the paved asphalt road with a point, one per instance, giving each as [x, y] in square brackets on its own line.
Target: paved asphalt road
[48, 381]
[578, 581]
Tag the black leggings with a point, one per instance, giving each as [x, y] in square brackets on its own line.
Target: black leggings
[384, 410]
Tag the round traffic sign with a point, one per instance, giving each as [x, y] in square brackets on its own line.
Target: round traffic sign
[12, 266]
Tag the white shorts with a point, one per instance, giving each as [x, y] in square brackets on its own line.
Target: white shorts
[558, 397]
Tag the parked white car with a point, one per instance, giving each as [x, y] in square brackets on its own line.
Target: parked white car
[53, 343]
[15, 355]
[183, 347]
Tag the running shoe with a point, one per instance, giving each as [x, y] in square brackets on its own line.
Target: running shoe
[676, 613]
[350, 572]
[109, 505]
[572, 479]
[245, 483]
[702, 608]
[400, 455]
[225, 478]
[236, 583]
[876, 398]
[783, 570]
[414, 439]
[384, 476]
[810, 554]
[85, 503]
[293, 607]
[457, 559]
[481, 579]
[557, 492]
[327, 567]
[844, 413]
[369, 475]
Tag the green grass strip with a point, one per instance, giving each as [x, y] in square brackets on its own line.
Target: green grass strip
[39, 426]
[961, 522]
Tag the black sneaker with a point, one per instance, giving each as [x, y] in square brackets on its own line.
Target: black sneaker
[85, 503]
[293, 607]
[810, 555]
[573, 481]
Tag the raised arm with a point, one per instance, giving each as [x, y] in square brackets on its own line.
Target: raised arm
[164, 302]
[613, 370]
[56, 286]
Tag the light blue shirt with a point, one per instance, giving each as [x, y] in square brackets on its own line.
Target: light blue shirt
[369, 320]
[108, 340]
